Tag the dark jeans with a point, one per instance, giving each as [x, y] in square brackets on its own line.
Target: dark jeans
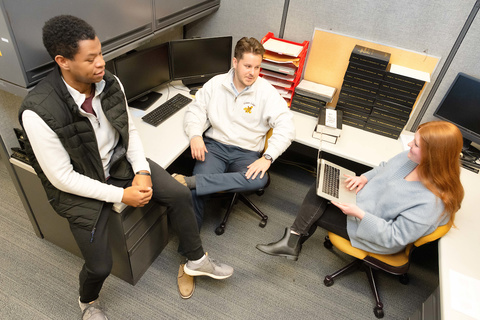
[317, 211]
[97, 254]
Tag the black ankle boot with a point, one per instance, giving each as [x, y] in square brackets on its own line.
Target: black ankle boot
[289, 246]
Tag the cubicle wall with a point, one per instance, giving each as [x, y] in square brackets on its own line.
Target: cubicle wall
[430, 26]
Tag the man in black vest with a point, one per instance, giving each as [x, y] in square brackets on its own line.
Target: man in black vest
[88, 155]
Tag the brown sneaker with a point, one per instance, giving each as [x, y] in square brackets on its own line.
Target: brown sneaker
[180, 178]
[186, 283]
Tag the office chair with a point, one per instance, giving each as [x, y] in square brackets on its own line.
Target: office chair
[242, 197]
[396, 264]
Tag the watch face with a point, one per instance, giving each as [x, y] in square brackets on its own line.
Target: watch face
[268, 157]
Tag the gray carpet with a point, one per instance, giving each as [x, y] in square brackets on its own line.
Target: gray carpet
[39, 280]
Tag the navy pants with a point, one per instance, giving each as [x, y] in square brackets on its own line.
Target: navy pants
[224, 169]
[97, 254]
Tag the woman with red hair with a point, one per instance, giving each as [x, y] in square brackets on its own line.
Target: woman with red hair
[397, 202]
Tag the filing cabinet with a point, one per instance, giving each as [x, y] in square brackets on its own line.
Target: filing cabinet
[137, 235]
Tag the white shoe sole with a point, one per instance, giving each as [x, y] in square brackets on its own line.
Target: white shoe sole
[195, 273]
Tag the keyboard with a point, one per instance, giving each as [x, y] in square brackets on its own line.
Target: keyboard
[166, 109]
[331, 181]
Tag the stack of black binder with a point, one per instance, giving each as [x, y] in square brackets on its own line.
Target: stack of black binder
[377, 96]
[361, 84]
[310, 97]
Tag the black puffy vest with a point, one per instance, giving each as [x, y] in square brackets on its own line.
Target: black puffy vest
[51, 100]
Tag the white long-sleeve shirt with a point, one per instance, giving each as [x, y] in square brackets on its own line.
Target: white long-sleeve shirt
[241, 120]
[55, 161]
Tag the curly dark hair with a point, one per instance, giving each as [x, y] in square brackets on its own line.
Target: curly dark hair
[248, 45]
[61, 35]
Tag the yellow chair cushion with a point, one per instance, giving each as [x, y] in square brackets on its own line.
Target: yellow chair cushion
[344, 245]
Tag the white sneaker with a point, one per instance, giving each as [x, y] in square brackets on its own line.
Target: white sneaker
[92, 310]
[208, 267]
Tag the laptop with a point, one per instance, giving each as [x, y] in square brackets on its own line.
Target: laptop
[331, 182]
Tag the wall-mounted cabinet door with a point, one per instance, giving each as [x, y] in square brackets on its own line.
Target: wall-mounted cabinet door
[116, 22]
[169, 12]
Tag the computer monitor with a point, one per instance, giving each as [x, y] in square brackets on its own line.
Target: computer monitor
[195, 61]
[461, 106]
[141, 72]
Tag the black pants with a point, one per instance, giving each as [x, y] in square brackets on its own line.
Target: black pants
[317, 211]
[97, 254]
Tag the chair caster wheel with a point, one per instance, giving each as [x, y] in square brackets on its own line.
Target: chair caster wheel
[220, 230]
[404, 279]
[263, 223]
[327, 243]
[328, 281]
[378, 312]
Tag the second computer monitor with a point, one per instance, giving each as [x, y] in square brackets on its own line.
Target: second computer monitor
[195, 61]
[141, 72]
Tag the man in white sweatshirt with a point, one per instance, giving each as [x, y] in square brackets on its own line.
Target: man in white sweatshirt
[240, 108]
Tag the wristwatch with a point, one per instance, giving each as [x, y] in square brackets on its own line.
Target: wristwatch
[268, 157]
[142, 173]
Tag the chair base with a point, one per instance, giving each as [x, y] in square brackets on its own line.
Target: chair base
[355, 265]
[239, 196]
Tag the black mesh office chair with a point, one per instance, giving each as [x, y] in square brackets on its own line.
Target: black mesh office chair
[242, 197]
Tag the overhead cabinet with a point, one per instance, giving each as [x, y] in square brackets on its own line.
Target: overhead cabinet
[118, 23]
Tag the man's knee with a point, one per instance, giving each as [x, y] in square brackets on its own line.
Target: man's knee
[100, 271]
[257, 183]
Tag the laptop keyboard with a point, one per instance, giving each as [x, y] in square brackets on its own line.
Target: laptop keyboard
[331, 181]
[166, 110]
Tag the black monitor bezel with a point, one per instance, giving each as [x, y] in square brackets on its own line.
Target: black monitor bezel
[197, 77]
[468, 134]
[136, 54]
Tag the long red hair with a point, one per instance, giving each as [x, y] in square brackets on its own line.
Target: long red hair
[439, 169]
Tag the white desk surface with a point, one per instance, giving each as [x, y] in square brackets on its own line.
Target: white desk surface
[165, 143]
[458, 250]
[354, 144]
[459, 253]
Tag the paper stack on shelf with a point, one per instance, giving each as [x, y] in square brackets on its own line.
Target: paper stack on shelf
[283, 47]
[282, 64]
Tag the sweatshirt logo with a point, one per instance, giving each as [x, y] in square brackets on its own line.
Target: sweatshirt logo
[248, 107]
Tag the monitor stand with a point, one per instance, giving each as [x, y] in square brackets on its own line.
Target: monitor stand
[144, 102]
[196, 83]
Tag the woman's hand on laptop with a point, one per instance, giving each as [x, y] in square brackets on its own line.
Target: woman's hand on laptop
[357, 182]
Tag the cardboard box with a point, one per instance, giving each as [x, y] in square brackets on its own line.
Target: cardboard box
[406, 76]
[366, 71]
[397, 108]
[304, 111]
[353, 122]
[396, 98]
[389, 116]
[362, 79]
[354, 105]
[356, 96]
[353, 86]
[382, 131]
[398, 89]
[370, 57]
[350, 113]
[385, 123]
[308, 100]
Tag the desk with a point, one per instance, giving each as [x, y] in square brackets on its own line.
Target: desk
[458, 249]
[354, 144]
[165, 143]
